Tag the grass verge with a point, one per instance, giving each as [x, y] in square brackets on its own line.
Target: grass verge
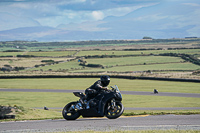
[48, 99]
[138, 131]
[160, 112]
[83, 83]
[24, 113]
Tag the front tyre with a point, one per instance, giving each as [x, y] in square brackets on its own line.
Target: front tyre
[69, 113]
[115, 111]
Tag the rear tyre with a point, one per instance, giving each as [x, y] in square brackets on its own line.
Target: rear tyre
[69, 113]
[114, 112]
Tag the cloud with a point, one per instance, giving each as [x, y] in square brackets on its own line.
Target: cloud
[91, 20]
[98, 15]
[21, 6]
[192, 4]
[55, 12]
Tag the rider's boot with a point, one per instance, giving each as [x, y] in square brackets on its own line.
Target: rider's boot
[88, 105]
[85, 102]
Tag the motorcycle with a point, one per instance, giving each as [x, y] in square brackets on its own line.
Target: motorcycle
[107, 103]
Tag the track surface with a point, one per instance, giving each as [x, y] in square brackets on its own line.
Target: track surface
[162, 122]
[123, 92]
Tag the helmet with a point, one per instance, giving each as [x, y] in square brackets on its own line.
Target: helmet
[105, 80]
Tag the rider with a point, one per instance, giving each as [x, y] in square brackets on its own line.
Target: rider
[97, 87]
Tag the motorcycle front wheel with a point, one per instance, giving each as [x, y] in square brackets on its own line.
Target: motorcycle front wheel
[69, 113]
[114, 112]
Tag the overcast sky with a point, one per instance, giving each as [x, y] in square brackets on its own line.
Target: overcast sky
[104, 15]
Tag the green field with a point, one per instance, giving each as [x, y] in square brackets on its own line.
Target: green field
[114, 60]
[26, 62]
[40, 54]
[137, 52]
[166, 67]
[37, 99]
[133, 60]
[52, 53]
[11, 53]
[64, 65]
[41, 99]
[83, 83]
[99, 52]
[141, 63]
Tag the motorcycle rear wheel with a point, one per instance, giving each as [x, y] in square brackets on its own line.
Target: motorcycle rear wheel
[70, 114]
[113, 113]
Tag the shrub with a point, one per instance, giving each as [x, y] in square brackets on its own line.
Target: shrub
[94, 65]
[49, 61]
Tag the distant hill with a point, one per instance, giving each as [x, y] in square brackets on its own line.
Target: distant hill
[159, 20]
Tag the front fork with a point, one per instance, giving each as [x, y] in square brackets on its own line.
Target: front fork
[113, 103]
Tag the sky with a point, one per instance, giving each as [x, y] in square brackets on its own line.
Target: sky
[64, 20]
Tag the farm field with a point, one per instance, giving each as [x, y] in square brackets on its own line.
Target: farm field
[27, 62]
[64, 66]
[52, 53]
[40, 54]
[118, 64]
[131, 64]
[152, 67]
[98, 52]
[101, 44]
[136, 52]
[173, 58]
[133, 60]
[178, 58]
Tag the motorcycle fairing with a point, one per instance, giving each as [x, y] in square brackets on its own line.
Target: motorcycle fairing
[93, 112]
[79, 94]
[105, 99]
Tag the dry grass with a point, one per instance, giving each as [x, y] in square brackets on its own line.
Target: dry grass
[136, 131]
[26, 62]
[183, 75]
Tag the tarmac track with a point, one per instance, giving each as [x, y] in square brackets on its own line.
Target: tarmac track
[161, 122]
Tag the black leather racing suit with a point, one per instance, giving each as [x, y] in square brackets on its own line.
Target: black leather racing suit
[93, 90]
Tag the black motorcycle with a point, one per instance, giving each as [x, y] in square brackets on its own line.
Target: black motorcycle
[107, 103]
